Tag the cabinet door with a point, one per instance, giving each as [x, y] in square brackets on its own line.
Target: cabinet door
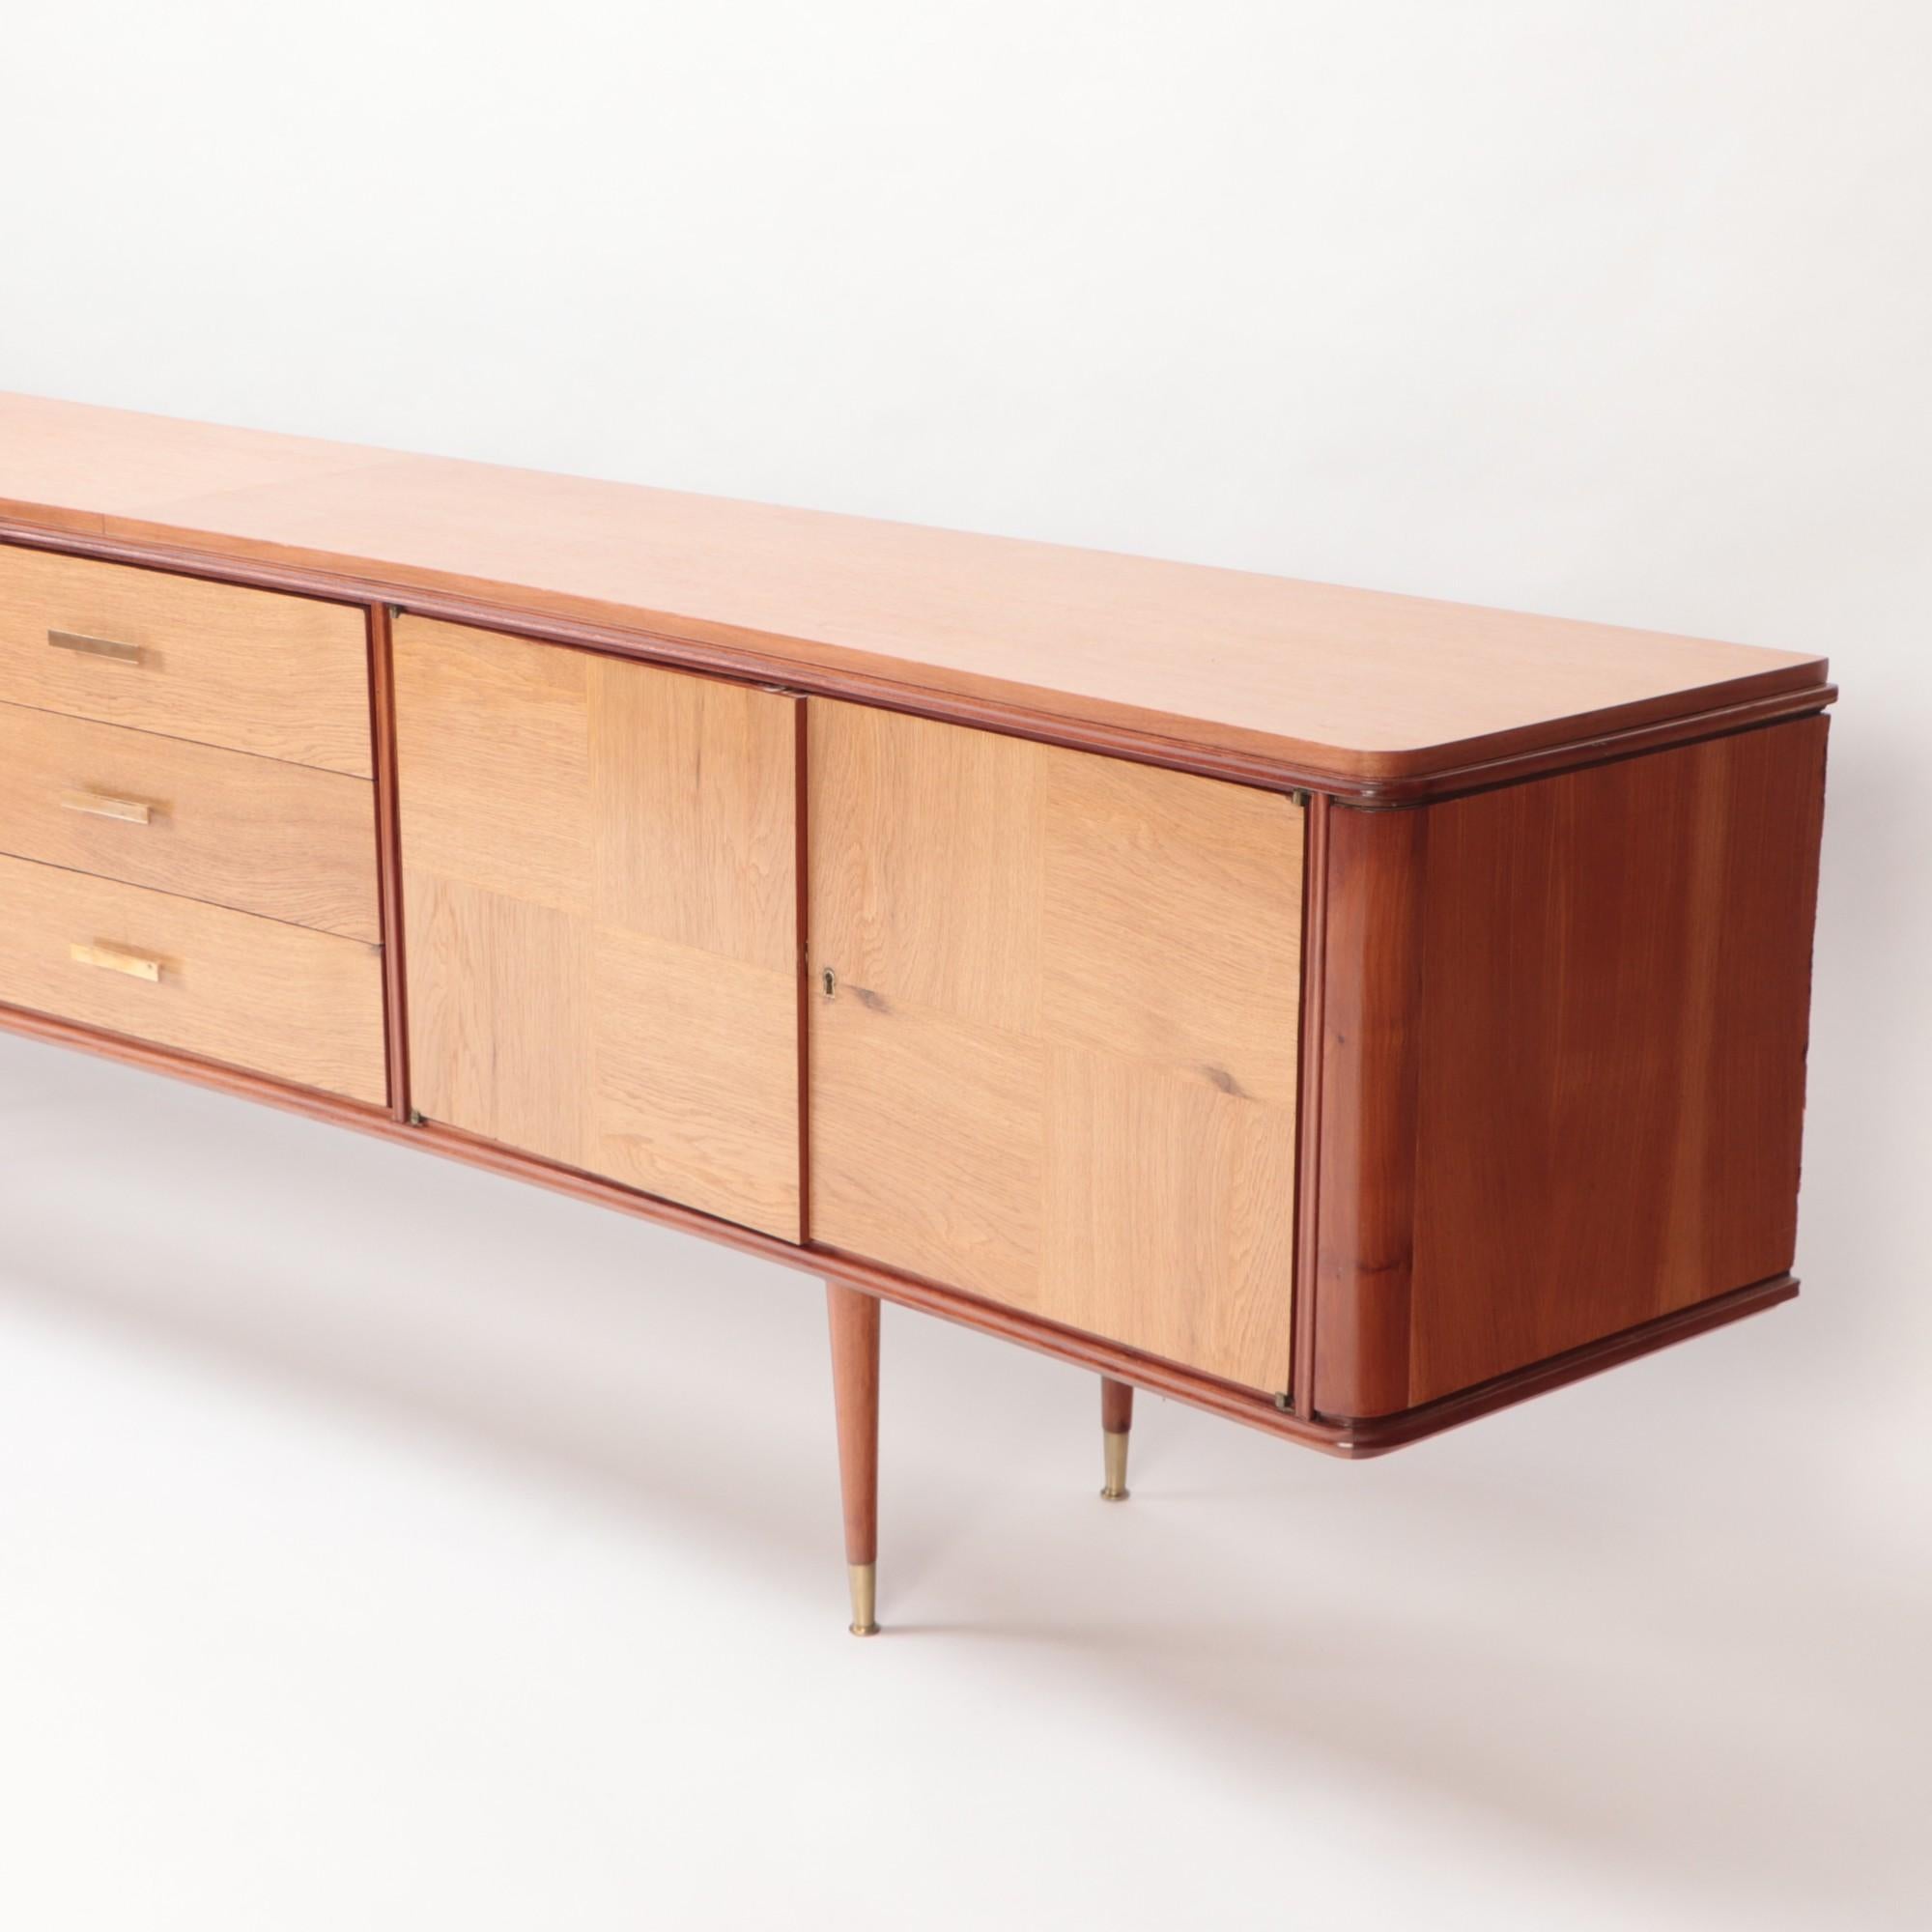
[1057, 1064]
[600, 888]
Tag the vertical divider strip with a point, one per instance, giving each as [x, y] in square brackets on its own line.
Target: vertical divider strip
[1308, 1120]
[802, 863]
[390, 854]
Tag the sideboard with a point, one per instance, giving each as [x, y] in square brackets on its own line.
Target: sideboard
[1345, 1012]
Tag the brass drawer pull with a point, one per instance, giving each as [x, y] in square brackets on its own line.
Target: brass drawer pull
[97, 805]
[95, 647]
[115, 959]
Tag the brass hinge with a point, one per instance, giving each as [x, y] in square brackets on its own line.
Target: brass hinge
[416, 1119]
[1300, 798]
[1284, 1402]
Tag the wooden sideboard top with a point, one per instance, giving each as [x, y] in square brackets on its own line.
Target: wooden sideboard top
[1362, 687]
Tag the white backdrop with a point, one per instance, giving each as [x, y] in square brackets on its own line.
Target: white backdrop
[411, 1556]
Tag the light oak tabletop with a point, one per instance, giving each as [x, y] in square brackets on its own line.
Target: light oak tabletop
[1360, 684]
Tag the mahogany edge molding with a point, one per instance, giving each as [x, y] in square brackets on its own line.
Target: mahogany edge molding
[1311, 1033]
[1507, 756]
[1350, 1437]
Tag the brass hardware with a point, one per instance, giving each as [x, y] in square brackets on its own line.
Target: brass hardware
[1299, 798]
[115, 959]
[829, 981]
[1284, 1402]
[1114, 1443]
[415, 1119]
[863, 1578]
[95, 647]
[97, 805]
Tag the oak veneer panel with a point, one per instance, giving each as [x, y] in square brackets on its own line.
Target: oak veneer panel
[600, 900]
[286, 841]
[1358, 683]
[284, 677]
[256, 993]
[1564, 1071]
[1058, 1067]
[1169, 1213]
[696, 839]
[1164, 899]
[499, 1000]
[494, 763]
[928, 1140]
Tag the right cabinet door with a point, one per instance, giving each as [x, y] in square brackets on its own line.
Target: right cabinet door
[1054, 1000]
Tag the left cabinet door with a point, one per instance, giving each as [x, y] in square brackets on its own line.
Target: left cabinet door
[599, 890]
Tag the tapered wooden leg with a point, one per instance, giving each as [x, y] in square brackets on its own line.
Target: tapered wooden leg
[855, 1391]
[1116, 1418]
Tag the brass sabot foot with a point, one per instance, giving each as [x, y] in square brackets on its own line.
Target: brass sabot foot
[863, 1578]
[1115, 1442]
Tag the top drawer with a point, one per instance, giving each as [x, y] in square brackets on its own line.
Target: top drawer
[284, 677]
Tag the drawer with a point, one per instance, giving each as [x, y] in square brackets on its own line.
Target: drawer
[287, 842]
[300, 1005]
[285, 677]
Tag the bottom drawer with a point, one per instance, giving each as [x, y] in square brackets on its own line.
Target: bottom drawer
[299, 1005]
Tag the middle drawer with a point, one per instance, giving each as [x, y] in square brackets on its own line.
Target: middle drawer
[285, 841]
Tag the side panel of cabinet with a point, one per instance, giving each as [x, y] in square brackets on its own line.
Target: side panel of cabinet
[601, 915]
[1563, 1079]
[1057, 1065]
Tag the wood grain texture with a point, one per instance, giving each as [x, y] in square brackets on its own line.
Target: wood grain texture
[600, 909]
[1349, 1439]
[303, 1006]
[1058, 1067]
[1564, 1062]
[1378, 1435]
[1417, 1313]
[854, 1321]
[77, 464]
[1357, 685]
[1371, 976]
[283, 678]
[1534, 754]
[284, 841]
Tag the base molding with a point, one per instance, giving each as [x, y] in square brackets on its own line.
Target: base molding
[1375, 1436]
